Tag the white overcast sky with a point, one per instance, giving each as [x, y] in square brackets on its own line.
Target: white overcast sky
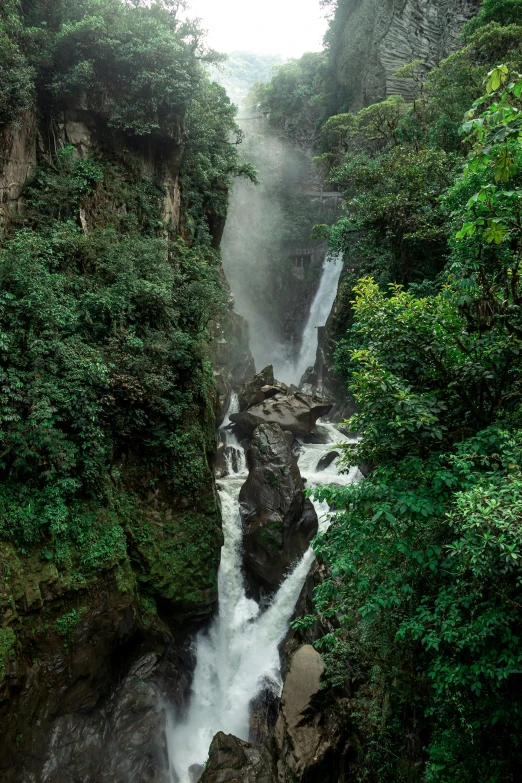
[286, 27]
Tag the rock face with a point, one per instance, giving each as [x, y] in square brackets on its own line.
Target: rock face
[307, 740]
[124, 743]
[63, 624]
[374, 38]
[236, 761]
[18, 159]
[298, 741]
[266, 401]
[279, 521]
[252, 390]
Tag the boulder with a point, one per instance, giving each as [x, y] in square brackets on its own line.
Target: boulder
[298, 413]
[279, 520]
[232, 759]
[250, 392]
[327, 460]
[307, 742]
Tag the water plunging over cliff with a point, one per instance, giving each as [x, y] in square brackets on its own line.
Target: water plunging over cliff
[319, 312]
[238, 656]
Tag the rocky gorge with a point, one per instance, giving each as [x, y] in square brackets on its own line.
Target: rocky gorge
[156, 520]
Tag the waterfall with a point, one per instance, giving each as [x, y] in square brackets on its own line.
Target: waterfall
[234, 454]
[318, 316]
[238, 656]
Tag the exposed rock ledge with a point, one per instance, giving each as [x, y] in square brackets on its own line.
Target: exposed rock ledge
[308, 742]
[280, 521]
[266, 401]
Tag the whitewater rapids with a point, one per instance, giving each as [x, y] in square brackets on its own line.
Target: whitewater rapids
[238, 656]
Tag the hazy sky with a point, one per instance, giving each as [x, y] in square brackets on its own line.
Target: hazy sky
[287, 27]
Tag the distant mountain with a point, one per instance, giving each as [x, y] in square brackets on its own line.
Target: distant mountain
[242, 70]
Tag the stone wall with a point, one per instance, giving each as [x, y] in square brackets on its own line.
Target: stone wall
[27, 141]
[377, 37]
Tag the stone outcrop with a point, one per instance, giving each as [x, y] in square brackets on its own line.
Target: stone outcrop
[374, 38]
[279, 521]
[264, 400]
[235, 761]
[306, 741]
[18, 149]
[123, 743]
[253, 390]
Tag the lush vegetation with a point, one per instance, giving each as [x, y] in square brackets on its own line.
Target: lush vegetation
[106, 296]
[422, 611]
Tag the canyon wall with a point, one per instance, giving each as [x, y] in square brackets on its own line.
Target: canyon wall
[73, 628]
[372, 39]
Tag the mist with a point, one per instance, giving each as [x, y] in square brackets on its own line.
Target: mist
[255, 247]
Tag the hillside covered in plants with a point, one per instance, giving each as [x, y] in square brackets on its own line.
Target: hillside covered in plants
[120, 352]
[117, 152]
[422, 610]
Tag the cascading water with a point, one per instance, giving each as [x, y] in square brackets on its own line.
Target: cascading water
[318, 316]
[234, 455]
[239, 654]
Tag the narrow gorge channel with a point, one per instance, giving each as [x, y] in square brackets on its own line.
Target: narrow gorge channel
[238, 656]
[260, 391]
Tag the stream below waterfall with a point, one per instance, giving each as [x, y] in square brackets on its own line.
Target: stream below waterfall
[238, 655]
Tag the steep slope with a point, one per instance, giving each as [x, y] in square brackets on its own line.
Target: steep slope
[114, 182]
[370, 40]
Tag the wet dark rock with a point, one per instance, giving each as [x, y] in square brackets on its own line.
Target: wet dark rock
[220, 464]
[250, 392]
[264, 711]
[226, 455]
[320, 436]
[327, 460]
[124, 742]
[231, 358]
[279, 521]
[308, 740]
[297, 413]
[234, 760]
[222, 400]
[195, 772]
[289, 436]
[366, 468]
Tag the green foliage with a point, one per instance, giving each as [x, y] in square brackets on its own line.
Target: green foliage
[426, 583]
[134, 63]
[504, 12]
[379, 123]
[16, 74]
[393, 207]
[105, 398]
[7, 646]
[101, 355]
[294, 98]
[423, 602]
[68, 622]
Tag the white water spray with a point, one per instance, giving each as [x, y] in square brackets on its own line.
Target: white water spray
[234, 454]
[238, 656]
[318, 316]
